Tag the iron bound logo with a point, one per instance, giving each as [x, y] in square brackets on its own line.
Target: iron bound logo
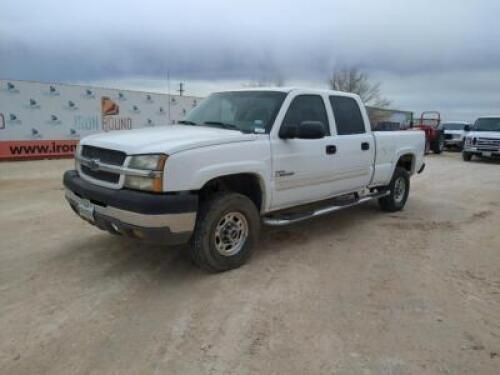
[10, 88]
[88, 94]
[121, 96]
[53, 120]
[35, 134]
[135, 109]
[73, 134]
[52, 91]
[71, 106]
[32, 104]
[149, 99]
[149, 123]
[13, 120]
[109, 107]
[2, 121]
[161, 111]
[110, 119]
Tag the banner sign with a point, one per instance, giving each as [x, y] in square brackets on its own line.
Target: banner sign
[39, 120]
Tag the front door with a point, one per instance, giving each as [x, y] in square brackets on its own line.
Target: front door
[302, 168]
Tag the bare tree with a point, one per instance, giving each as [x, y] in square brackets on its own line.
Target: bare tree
[350, 79]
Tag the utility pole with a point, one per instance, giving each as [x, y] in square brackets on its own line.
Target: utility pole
[169, 97]
[181, 89]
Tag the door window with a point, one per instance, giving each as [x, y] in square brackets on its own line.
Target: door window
[347, 115]
[306, 108]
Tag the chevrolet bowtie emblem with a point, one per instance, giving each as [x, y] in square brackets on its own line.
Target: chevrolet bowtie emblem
[93, 164]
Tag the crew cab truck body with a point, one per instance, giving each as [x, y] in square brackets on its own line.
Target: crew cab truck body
[238, 159]
[483, 139]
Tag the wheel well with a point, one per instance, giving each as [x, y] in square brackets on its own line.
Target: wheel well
[247, 184]
[406, 161]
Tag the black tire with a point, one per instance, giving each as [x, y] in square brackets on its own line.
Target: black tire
[461, 146]
[467, 156]
[427, 147]
[206, 238]
[395, 201]
[438, 144]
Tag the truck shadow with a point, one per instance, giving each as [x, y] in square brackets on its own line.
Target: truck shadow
[105, 255]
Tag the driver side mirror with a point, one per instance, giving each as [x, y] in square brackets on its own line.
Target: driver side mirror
[305, 130]
[467, 128]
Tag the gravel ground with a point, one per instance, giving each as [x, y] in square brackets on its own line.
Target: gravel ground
[358, 292]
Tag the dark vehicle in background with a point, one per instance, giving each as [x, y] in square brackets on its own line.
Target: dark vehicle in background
[430, 122]
[384, 119]
[483, 139]
[454, 134]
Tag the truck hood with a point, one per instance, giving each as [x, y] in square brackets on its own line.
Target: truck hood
[494, 135]
[165, 139]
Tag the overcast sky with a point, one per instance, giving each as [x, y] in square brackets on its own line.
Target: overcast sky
[439, 54]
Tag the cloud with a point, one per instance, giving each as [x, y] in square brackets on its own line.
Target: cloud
[227, 40]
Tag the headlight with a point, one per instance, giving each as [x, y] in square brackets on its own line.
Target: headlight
[152, 163]
[78, 151]
[148, 162]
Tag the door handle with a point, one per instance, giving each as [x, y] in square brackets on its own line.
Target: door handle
[365, 146]
[331, 149]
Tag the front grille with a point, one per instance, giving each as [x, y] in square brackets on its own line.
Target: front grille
[101, 175]
[104, 155]
[448, 136]
[488, 144]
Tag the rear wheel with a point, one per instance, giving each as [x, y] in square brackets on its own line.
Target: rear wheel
[438, 145]
[226, 231]
[399, 189]
[467, 156]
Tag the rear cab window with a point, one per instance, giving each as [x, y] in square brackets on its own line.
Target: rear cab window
[348, 118]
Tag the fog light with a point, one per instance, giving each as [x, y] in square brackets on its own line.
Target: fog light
[138, 233]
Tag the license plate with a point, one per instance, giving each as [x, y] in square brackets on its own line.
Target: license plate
[487, 154]
[86, 209]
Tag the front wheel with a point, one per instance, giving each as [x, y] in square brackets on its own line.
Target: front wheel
[227, 228]
[438, 144]
[399, 189]
[467, 156]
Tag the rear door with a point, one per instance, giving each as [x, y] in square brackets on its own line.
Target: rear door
[354, 143]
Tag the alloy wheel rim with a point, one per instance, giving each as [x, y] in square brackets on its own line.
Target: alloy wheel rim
[231, 233]
[399, 189]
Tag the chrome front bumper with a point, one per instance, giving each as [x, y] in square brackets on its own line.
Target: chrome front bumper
[165, 218]
[177, 223]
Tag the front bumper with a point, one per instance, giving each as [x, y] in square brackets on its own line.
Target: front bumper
[166, 218]
[453, 142]
[482, 152]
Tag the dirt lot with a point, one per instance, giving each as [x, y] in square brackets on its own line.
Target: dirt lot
[359, 292]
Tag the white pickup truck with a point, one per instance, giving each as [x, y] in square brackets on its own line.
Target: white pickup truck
[483, 139]
[241, 158]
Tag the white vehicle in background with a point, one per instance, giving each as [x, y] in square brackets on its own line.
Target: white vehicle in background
[454, 133]
[483, 139]
[276, 156]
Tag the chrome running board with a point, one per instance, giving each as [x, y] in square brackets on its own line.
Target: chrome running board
[294, 218]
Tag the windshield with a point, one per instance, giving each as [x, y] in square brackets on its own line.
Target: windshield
[246, 111]
[452, 126]
[491, 124]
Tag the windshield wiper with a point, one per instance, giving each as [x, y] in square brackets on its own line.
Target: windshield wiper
[223, 125]
[186, 122]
